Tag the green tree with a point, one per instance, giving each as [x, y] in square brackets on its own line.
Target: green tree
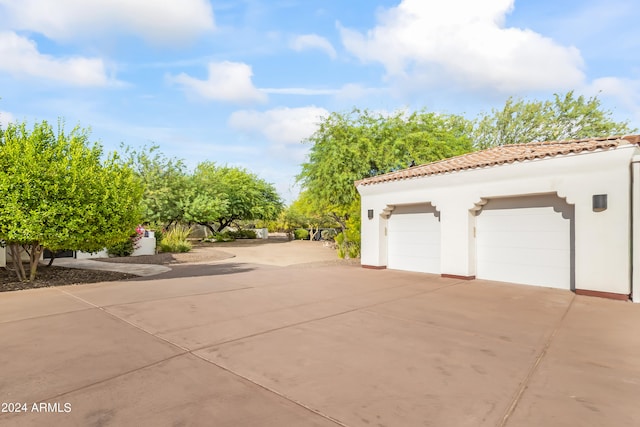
[306, 211]
[564, 117]
[359, 144]
[222, 195]
[166, 185]
[58, 193]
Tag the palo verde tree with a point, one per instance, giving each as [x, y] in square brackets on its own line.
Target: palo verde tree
[350, 146]
[166, 185]
[222, 195]
[306, 212]
[59, 192]
[564, 117]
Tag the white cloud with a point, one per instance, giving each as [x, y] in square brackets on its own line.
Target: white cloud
[464, 42]
[227, 81]
[626, 93]
[281, 125]
[6, 118]
[313, 41]
[20, 57]
[300, 91]
[157, 21]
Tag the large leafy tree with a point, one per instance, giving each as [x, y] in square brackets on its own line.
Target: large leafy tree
[58, 192]
[350, 146]
[166, 185]
[564, 117]
[306, 211]
[222, 195]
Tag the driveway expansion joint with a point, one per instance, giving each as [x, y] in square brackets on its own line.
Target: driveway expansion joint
[524, 384]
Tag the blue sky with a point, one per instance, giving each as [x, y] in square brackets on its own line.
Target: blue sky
[243, 82]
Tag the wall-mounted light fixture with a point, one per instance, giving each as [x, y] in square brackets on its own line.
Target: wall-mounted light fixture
[370, 213]
[599, 202]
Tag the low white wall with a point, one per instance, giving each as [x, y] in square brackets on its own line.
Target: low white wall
[602, 245]
[3, 257]
[262, 233]
[145, 246]
[87, 255]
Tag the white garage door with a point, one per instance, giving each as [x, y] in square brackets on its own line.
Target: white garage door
[525, 240]
[413, 237]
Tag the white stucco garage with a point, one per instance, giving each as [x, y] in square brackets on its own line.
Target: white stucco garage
[559, 214]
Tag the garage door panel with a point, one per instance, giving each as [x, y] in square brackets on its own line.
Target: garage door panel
[540, 276]
[526, 257]
[413, 234]
[525, 240]
[549, 220]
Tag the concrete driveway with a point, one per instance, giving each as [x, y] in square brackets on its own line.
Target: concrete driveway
[258, 345]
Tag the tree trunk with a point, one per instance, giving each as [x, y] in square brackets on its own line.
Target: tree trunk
[340, 220]
[53, 256]
[34, 259]
[313, 233]
[209, 227]
[16, 258]
[224, 224]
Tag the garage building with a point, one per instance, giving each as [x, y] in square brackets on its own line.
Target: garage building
[561, 214]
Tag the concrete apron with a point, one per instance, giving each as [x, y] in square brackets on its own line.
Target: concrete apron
[317, 347]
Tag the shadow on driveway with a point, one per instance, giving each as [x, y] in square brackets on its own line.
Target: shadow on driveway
[198, 270]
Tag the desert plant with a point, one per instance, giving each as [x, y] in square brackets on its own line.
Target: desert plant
[301, 234]
[175, 239]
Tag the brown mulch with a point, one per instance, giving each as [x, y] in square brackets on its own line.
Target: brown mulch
[58, 276]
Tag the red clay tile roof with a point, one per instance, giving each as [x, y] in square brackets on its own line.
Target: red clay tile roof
[502, 155]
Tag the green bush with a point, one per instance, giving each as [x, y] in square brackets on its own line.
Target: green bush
[175, 239]
[175, 247]
[301, 234]
[124, 248]
[220, 237]
[242, 234]
[348, 242]
[353, 251]
[158, 234]
[328, 234]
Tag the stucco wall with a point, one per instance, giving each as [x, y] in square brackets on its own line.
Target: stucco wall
[602, 239]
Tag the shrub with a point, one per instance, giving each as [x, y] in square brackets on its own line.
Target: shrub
[175, 247]
[220, 237]
[348, 243]
[328, 234]
[124, 248]
[301, 234]
[353, 250]
[242, 234]
[175, 239]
